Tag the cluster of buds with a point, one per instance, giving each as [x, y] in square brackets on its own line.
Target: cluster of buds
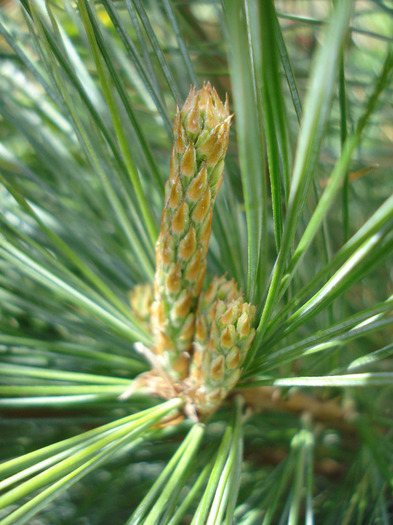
[200, 339]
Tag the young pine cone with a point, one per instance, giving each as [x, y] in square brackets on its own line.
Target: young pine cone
[201, 131]
[222, 338]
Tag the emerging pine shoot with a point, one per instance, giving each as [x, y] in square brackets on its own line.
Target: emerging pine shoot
[223, 336]
[201, 132]
[201, 364]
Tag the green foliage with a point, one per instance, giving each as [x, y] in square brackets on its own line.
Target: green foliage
[303, 223]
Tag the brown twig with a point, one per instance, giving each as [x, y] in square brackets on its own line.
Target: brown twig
[331, 412]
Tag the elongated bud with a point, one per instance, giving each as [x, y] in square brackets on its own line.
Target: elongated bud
[201, 131]
[200, 339]
[222, 339]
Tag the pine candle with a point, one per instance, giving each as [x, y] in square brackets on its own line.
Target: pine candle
[200, 339]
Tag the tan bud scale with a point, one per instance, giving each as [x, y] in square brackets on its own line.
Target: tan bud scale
[141, 298]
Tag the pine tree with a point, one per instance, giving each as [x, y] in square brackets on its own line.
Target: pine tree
[196, 289]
